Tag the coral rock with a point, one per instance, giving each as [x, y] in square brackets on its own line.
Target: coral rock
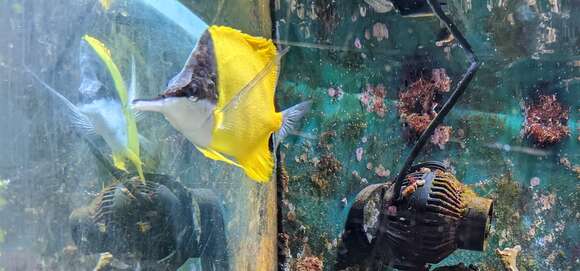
[373, 99]
[418, 101]
[380, 6]
[546, 121]
[380, 31]
[309, 264]
[441, 136]
[509, 256]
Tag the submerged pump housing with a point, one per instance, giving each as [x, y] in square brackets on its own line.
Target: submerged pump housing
[436, 215]
[159, 224]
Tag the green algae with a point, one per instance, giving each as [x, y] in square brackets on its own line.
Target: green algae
[353, 126]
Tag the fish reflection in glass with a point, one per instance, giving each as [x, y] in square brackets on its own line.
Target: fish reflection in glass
[222, 101]
[106, 117]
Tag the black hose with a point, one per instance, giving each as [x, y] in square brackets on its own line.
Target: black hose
[459, 90]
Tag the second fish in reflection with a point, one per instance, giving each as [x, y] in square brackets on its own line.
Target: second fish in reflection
[223, 101]
[107, 117]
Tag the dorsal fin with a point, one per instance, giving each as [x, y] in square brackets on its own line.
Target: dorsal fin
[78, 119]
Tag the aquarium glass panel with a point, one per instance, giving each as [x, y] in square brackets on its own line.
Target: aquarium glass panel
[289, 135]
[73, 147]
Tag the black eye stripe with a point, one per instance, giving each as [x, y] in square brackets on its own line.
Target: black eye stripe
[182, 92]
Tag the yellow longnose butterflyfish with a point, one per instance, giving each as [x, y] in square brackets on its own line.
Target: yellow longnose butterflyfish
[222, 101]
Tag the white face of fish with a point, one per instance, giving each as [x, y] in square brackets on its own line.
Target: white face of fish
[193, 118]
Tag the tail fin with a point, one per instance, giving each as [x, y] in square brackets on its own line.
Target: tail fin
[290, 118]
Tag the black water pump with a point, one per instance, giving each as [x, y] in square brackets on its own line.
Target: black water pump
[436, 215]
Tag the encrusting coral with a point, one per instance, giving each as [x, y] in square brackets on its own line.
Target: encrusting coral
[509, 256]
[546, 121]
[418, 102]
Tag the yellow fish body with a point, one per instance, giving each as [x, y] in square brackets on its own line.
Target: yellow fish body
[223, 101]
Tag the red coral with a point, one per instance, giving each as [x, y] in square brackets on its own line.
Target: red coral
[441, 136]
[373, 99]
[440, 79]
[546, 121]
[419, 123]
[418, 101]
[309, 264]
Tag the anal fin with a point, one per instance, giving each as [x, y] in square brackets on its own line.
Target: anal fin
[258, 165]
[214, 155]
[119, 162]
[134, 158]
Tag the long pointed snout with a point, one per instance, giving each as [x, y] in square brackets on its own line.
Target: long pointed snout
[152, 105]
